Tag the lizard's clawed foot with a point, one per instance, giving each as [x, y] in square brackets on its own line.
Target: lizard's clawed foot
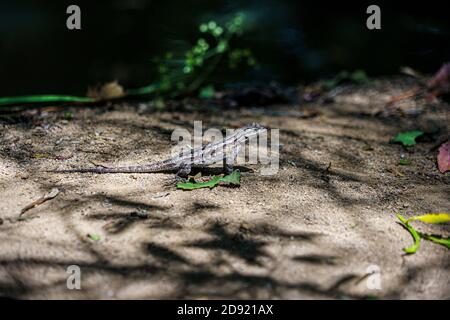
[229, 168]
[179, 179]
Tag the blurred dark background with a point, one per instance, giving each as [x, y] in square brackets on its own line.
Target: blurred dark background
[294, 41]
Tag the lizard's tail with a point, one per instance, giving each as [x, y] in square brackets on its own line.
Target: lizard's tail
[132, 169]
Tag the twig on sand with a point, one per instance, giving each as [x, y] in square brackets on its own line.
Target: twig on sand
[53, 193]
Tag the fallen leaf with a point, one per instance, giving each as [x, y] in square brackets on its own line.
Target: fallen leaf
[233, 179]
[408, 138]
[41, 156]
[68, 115]
[111, 90]
[207, 92]
[404, 162]
[443, 158]
[441, 80]
[433, 218]
[359, 76]
[94, 237]
[194, 185]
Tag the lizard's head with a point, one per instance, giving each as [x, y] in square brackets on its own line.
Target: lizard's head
[251, 130]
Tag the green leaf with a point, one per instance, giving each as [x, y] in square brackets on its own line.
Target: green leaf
[68, 115]
[408, 138]
[414, 234]
[438, 240]
[222, 46]
[233, 178]
[359, 76]
[94, 237]
[212, 25]
[217, 31]
[433, 218]
[404, 162]
[207, 92]
[330, 84]
[197, 185]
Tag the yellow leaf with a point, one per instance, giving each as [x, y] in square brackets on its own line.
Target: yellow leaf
[41, 156]
[111, 90]
[433, 218]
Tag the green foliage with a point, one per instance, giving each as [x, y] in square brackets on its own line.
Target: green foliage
[433, 218]
[188, 71]
[207, 92]
[68, 115]
[178, 73]
[414, 234]
[232, 179]
[359, 76]
[94, 237]
[236, 56]
[408, 138]
[404, 162]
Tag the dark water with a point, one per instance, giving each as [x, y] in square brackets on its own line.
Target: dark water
[293, 41]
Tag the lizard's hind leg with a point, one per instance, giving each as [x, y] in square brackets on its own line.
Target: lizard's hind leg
[181, 176]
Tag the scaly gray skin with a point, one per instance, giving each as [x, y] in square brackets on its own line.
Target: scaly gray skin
[226, 149]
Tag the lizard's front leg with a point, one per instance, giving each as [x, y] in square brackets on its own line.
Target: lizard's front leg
[184, 170]
[231, 158]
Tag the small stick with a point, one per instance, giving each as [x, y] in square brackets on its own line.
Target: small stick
[41, 200]
[405, 95]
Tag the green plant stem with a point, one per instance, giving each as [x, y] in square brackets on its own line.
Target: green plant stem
[438, 240]
[414, 234]
[43, 99]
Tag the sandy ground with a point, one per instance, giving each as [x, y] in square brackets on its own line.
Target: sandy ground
[313, 230]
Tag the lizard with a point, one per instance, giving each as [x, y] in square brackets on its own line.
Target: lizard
[225, 150]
